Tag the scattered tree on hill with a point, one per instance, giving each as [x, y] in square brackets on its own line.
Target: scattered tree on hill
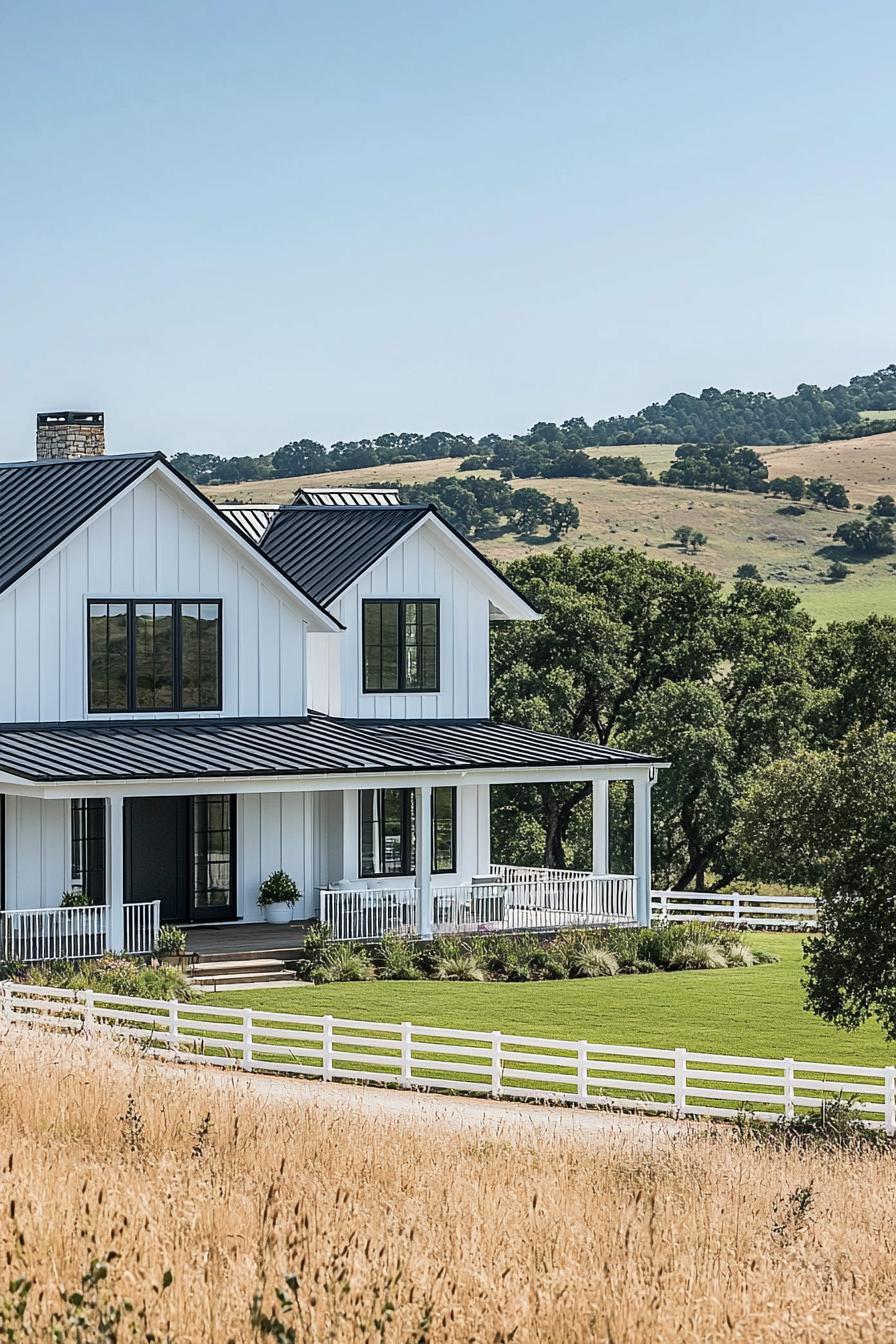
[689, 539]
[564, 516]
[532, 507]
[747, 572]
[883, 507]
[837, 571]
[792, 487]
[716, 466]
[874, 537]
[822, 490]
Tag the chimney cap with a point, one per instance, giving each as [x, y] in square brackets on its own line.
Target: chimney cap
[70, 417]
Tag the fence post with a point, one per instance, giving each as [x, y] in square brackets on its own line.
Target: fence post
[681, 1080]
[407, 1059]
[89, 1018]
[664, 905]
[890, 1100]
[496, 1064]
[247, 1039]
[6, 1000]
[582, 1073]
[328, 1049]
[173, 1035]
[788, 1089]
[736, 899]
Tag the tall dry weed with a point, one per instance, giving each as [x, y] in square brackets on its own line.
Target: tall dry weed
[141, 1202]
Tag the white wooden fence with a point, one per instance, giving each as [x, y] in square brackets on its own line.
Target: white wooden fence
[507, 900]
[74, 933]
[497, 1064]
[798, 912]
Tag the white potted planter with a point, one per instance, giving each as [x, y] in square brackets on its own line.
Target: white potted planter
[281, 913]
[277, 895]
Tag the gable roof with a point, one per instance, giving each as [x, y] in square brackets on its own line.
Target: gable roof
[327, 547]
[42, 503]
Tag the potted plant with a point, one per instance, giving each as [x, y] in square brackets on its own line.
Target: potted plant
[276, 896]
[171, 946]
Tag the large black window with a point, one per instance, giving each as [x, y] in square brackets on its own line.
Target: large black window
[388, 840]
[88, 860]
[154, 656]
[401, 645]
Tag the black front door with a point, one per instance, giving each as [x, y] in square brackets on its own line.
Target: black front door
[180, 851]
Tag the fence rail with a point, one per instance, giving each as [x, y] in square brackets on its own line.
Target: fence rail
[75, 933]
[675, 1082]
[798, 912]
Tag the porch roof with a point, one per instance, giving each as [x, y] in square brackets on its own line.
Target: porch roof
[316, 745]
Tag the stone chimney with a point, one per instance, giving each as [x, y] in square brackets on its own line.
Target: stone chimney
[70, 434]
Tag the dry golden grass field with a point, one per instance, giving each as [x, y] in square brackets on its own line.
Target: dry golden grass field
[370, 1230]
[795, 550]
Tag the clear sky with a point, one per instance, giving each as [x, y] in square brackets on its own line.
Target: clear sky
[230, 225]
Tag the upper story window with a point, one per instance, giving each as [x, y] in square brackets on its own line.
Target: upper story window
[400, 645]
[152, 657]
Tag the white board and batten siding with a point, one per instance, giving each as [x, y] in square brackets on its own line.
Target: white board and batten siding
[420, 566]
[152, 542]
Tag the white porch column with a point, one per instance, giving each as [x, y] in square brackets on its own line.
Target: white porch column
[115, 873]
[643, 783]
[423, 811]
[351, 834]
[600, 827]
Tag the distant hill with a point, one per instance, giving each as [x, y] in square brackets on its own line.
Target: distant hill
[793, 547]
[809, 415]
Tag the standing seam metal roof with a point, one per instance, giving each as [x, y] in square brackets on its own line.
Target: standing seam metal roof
[43, 502]
[316, 745]
[324, 547]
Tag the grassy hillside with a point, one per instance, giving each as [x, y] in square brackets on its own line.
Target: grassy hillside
[794, 550]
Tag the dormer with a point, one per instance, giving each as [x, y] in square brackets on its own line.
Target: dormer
[415, 597]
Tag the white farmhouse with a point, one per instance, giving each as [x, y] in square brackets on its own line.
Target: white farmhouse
[192, 697]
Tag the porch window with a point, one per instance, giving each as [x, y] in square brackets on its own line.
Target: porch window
[400, 645]
[88, 858]
[213, 852]
[388, 832]
[154, 656]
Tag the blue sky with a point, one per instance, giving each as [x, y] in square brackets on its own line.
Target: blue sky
[234, 224]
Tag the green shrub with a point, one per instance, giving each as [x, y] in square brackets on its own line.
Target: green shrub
[75, 900]
[698, 956]
[278, 889]
[763, 958]
[112, 974]
[639, 967]
[626, 946]
[343, 962]
[171, 941]
[395, 958]
[314, 949]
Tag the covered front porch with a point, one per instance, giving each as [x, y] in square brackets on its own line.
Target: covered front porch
[372, 849]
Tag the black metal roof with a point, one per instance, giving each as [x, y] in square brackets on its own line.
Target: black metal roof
[42, 503]
[324, 547]
[316, 745]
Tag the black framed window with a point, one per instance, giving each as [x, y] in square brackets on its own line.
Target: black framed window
[388, 832]
[213, 827]
[153, 656]
[400, 645]
[444, 830]
[88, 858]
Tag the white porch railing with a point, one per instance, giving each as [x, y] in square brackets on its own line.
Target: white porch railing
[508, 900]
[798, 912]
[364, 915]
[75, 933]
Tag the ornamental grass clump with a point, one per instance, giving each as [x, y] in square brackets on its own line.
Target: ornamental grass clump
[343, 962]
[697, 955]
[395, 958]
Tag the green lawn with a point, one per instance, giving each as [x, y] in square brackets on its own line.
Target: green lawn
[853, 599]
[756, 1011]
